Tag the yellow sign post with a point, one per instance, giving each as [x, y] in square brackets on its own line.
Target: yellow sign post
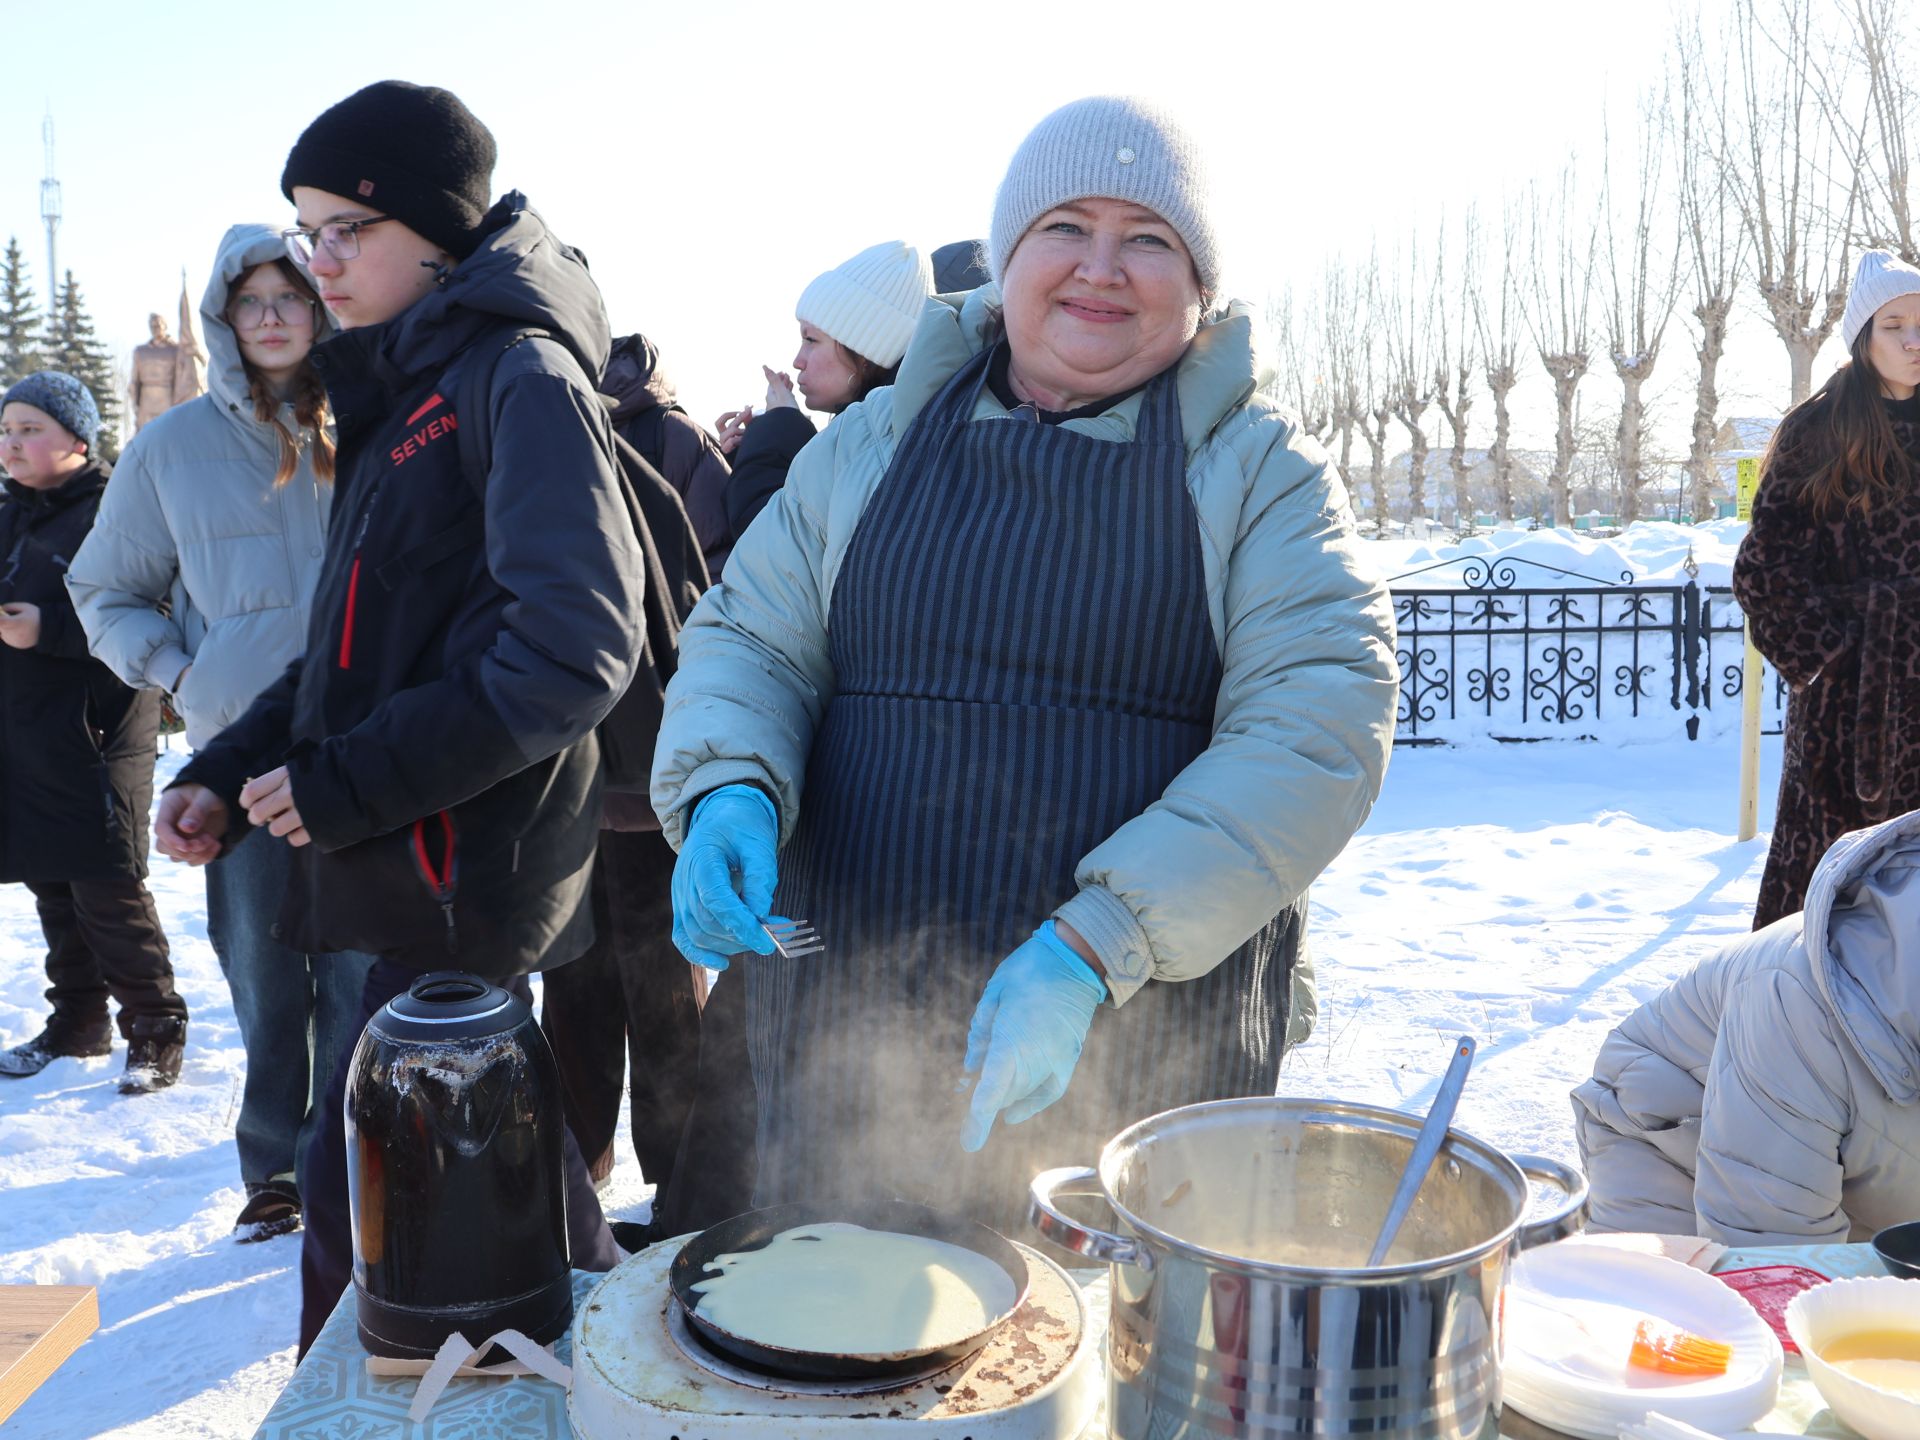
[1748, 481]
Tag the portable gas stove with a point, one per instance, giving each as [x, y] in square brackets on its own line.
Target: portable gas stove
[641, 1373]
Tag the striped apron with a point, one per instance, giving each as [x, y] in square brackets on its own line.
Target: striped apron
[1023, 662]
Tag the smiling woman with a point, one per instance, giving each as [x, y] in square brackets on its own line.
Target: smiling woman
[1100, 296]
[1010, 650]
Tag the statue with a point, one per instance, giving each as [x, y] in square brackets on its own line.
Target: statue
[154, 364]
[190, 365]
[166, 371]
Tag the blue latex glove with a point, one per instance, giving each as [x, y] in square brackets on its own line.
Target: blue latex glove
[724, 879]
[1027, 1032]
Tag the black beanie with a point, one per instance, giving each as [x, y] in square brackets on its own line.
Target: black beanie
[414, 152]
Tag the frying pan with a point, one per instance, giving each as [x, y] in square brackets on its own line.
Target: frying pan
[755, 1228]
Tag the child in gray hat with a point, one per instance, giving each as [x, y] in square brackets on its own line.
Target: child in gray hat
[72, 736]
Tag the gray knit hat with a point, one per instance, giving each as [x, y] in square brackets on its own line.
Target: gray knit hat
[64, 397]
[1117, 147]
[871, 303]
[1880, 277]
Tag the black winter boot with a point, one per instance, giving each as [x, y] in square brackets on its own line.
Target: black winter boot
[154, 1052]
[272, 1208]
[63, 1035]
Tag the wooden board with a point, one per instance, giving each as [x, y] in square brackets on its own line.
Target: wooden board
[40, 1326]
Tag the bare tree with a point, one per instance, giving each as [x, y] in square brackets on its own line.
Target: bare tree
[1867, 95]
[1299, 381]
[1714, 239]
[1375, 406]
[1341, 336]
[1457, 356]
[1798, 183]
[1497, 324]
[1559, 314]
[1412, 363]
[1642, 275]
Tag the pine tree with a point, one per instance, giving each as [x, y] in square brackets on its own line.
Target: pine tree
[72, 346]
[20, 343]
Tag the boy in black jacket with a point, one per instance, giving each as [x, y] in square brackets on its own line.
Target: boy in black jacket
[76, 758]
[432, 755]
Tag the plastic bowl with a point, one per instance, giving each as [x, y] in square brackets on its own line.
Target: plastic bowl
[1822, 1315]
[1898, 1247]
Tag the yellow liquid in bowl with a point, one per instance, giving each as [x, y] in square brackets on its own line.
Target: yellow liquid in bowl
[1885, 1359]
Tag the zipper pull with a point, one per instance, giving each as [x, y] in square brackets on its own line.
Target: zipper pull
[453, 936]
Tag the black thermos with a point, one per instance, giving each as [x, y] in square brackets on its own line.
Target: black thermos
[456, 1171]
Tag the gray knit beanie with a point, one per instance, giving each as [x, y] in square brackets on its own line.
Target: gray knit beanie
[1117, 147]
[64, 397]
[1881, 276]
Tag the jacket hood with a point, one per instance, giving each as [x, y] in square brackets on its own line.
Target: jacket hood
[521, 273]
[241, 248]
[1216, 376]
[1861, 929]
[634, 379]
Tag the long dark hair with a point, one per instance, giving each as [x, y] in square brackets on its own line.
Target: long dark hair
[309, 395]
[867, 376]
[1837, 446]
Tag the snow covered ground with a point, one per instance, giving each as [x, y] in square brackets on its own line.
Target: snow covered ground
[1529, 895]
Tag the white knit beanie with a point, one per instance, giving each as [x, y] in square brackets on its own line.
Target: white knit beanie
[1881, 276]
[871, 303]
[1119, 148]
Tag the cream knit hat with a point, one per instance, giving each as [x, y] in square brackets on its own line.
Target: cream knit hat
[1117, 147]
[1881, 276]
[871, 303]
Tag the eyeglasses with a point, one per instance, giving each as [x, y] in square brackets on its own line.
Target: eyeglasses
[339, 238]
[289, 307]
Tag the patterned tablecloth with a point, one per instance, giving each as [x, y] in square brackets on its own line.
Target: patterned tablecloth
[331, 1396]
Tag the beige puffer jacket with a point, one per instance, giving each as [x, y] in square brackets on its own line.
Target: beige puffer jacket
[1770, 1096]
[1305, 712]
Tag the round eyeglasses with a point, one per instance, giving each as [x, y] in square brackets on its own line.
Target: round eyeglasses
[289, 307]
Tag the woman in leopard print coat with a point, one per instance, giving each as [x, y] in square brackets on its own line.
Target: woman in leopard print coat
[1829, 576]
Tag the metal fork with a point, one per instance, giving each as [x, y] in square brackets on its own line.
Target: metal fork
[792, 938]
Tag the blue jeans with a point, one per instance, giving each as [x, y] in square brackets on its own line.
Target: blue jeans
[296, 1011]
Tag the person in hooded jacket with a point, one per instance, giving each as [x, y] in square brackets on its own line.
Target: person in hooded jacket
[76, 758]
[855, 321]
[627, 1013]
[197, 579]
[647, 415]
[431, 757]
[1771, 1096]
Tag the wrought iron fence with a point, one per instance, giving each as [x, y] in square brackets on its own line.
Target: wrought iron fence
[1489, 656]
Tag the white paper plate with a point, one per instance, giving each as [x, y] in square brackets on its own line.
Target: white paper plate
[1578, 1380]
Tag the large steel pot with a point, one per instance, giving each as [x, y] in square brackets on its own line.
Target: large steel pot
[1242, 1305]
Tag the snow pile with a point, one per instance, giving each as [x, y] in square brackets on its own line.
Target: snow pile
[1650, 552]
[1529, 895]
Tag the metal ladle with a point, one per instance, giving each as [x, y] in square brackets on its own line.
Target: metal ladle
[1426, 1146]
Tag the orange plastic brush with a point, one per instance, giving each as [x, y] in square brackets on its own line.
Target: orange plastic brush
[1674, 1351]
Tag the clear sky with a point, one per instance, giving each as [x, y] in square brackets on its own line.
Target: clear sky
[711, 158]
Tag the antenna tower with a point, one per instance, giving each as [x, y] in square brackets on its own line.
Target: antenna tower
[50, 213]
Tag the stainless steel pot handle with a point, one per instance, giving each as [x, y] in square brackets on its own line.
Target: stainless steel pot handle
[1570, 1217]
[1045, 1216]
